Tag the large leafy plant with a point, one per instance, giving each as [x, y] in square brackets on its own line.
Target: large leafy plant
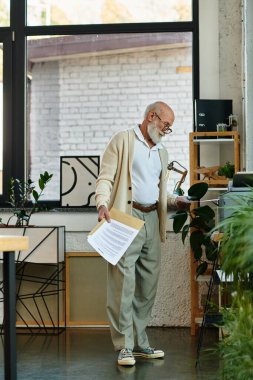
[24, 198]
[236, 348]
[237, 241]
[236, 259]
[197, 223]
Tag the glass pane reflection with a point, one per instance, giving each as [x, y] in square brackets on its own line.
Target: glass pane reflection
[1, 118]
[4, 13]
[84, 88]
[65, 12]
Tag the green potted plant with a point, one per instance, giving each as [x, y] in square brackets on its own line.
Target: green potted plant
[40, 283]
[236, 347]
[197, 222]
[228, 170]
[24, 198]
[236, 259]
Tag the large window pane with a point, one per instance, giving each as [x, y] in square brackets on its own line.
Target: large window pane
[4, 13]
[82, 89]
[65, 12]
[1, 118]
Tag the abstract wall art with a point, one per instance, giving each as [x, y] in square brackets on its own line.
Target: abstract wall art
[78, 179]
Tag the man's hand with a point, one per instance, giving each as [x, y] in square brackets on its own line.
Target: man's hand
[182, 203]
[103, 213]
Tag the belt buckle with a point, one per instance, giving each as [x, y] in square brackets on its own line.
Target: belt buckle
[142, 208]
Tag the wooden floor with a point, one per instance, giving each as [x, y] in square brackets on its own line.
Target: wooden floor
[87, 354]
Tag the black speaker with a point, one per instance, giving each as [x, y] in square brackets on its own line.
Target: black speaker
[210, 112]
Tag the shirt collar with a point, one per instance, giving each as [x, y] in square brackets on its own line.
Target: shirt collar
[141, 137]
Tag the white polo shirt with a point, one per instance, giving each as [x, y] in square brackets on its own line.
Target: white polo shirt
[146, 170]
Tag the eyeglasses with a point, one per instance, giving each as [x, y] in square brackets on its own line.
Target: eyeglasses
[167, 127]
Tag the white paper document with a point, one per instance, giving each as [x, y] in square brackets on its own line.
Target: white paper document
[111, 240]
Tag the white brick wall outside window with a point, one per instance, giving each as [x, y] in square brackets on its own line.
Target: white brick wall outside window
[78, 103]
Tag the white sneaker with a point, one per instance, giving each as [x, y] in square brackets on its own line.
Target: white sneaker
[148, 353]
[126, 357]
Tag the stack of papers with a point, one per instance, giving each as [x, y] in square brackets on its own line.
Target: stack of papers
[111, 240]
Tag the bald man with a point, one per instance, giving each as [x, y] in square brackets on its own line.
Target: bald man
[133, 179]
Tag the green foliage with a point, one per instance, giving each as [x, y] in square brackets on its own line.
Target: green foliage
[199, 221]
[236, 348]
[25, 199]
[237, 242]
[228, 170]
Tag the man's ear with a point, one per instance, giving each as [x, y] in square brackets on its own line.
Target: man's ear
[151, 116]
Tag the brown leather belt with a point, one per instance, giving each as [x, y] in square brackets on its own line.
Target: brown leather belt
[142, 208]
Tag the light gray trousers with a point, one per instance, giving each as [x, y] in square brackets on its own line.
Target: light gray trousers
[132, 285]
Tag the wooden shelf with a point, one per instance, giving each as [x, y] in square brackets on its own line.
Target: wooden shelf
[212, 182]
[203, 278]
[233, 134]
[218, 140]
[196, 141]
[213, 138]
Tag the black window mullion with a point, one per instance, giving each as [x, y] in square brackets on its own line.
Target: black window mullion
[195, 49]
[7, 112]
[155, 27]
[18, 21]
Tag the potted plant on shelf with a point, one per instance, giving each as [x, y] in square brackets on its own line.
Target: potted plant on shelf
[24, 199]
[197, 222]
[228, 170]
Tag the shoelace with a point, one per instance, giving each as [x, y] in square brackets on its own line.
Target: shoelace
[126, 352]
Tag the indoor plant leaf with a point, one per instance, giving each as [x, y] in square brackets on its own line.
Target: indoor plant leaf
[41, 183]
[197, 253]
[196, 239]
[197, 222]
[185, 231]
[201, 268]
[211, 252]
[179, 220]
[206, 212]
[35, 195]
[197, 191]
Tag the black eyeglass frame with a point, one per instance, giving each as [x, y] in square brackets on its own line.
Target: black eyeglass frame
[167, 126]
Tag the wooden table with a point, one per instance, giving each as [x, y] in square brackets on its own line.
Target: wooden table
[10, 244]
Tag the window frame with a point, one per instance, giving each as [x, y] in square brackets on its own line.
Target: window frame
[14, 124]
[6, 40]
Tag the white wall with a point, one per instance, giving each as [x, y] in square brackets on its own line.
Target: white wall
[209, 49]
[220, 31]
[248, 67]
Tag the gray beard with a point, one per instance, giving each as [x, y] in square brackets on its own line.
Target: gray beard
[154, 133]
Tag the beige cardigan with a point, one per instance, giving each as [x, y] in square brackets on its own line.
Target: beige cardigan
[114, 188]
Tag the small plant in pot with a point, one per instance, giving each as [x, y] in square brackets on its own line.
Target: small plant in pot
[228, 170]
[24, 199]
[198, 223]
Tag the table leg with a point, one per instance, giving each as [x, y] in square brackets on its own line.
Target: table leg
[9, 283]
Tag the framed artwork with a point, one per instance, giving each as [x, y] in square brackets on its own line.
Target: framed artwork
[78, 175]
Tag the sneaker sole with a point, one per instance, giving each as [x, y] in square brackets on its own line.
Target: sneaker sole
[126, 362]
[149, 356]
